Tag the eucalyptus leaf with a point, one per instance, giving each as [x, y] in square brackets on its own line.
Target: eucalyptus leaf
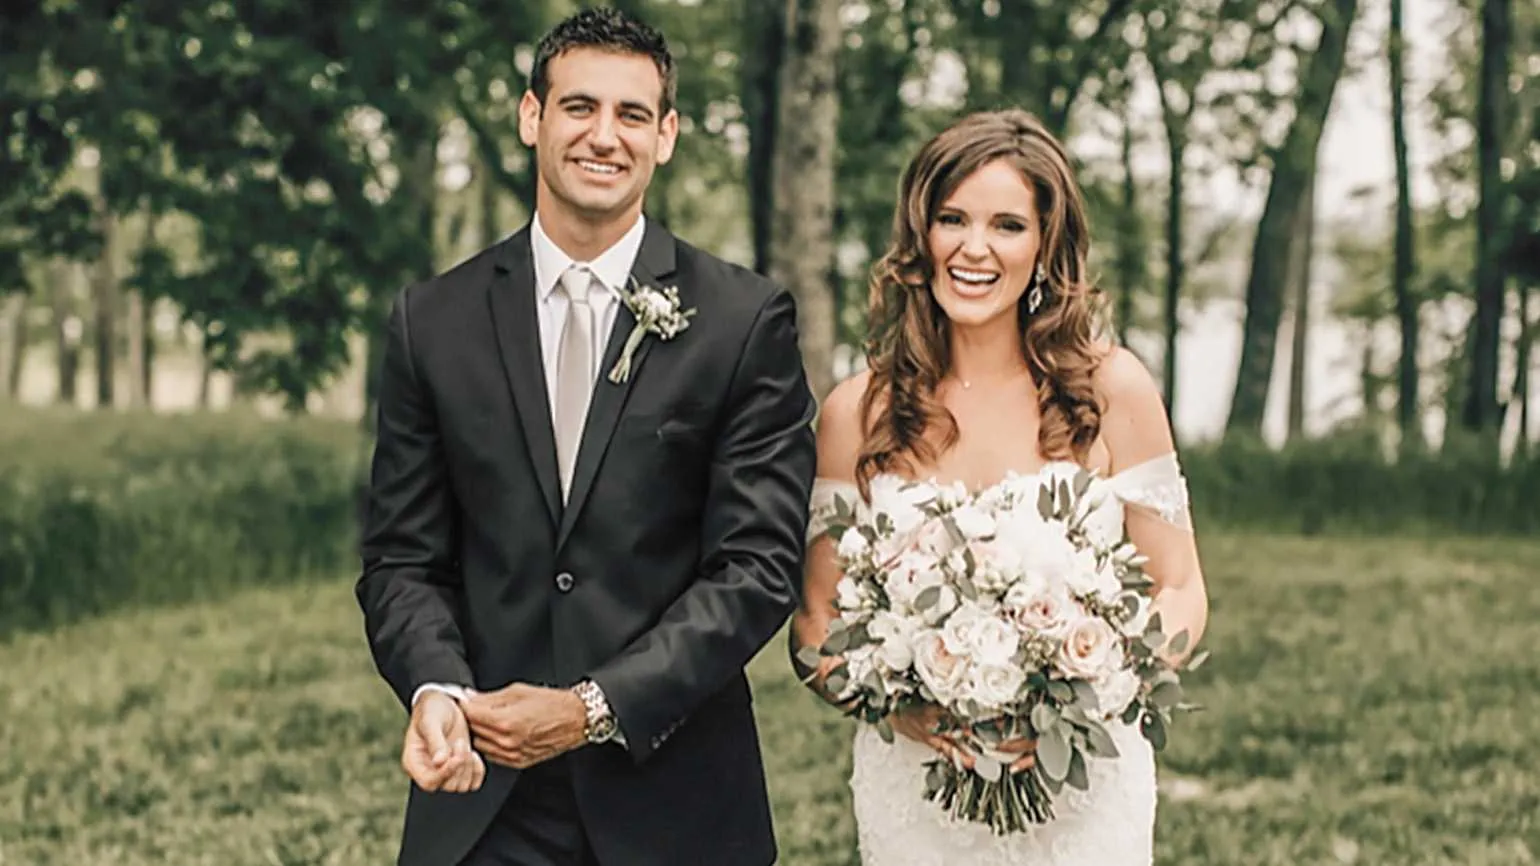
[1061, 691]
[1044, 716]
[1154, 729]
[1053, 753]
[1179, 643]
[837, 682]
[1078, 778]
[1101, 742]
[1082, 482]
[885, 731]
[1132, 713]
[1085, 695]
[1197, 660]
[1045, 502]
[928, 598]
[1154, 639]
[988, 768]
[809, 656]
[837, 642]
[1166, 695]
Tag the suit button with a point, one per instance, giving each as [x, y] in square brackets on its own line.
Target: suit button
[564, 582]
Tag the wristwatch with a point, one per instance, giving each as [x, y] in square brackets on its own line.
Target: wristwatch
[600, 726]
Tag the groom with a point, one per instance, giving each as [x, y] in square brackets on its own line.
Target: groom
[575, 541]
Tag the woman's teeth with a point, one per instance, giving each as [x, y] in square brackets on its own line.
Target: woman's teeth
[972, 278]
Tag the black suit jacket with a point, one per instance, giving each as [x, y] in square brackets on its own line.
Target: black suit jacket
[677, 557]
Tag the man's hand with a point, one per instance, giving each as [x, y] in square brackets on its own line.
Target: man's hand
[437, 752]
[521, 725]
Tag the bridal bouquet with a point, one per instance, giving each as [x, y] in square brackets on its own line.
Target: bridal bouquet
[1002, 609]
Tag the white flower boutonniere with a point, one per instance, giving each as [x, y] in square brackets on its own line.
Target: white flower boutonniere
[657, 312]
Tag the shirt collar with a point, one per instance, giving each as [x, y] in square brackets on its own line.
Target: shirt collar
[612, 267]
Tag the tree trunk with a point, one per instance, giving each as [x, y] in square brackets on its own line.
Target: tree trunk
[63, 279]
[1175, 262]
[15, 321]
[105, 294]
[1408, 416]
[802, 233]
[1519, 401]
[1481, 413]
[205, 371]
[1304, 252]
[1294, 168]
[760, 88]
[1130, 240]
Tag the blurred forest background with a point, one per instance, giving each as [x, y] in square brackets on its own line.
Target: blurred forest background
[1316, 221]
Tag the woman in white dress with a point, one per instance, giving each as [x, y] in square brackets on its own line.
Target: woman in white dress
[985, 365]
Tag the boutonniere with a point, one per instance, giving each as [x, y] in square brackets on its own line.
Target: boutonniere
[657, 312]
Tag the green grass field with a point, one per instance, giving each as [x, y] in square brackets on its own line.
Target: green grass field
[1372, 702]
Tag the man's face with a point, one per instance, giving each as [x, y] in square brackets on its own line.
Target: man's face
[599, 136]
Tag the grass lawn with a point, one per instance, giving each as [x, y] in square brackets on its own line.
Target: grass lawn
[1369, 701]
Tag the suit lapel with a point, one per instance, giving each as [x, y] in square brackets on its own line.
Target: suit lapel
[654, 262]
[517, 326]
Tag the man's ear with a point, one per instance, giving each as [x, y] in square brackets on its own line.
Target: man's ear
[668, 136]
[529, 118]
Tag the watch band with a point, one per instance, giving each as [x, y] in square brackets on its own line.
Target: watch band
[599, 727]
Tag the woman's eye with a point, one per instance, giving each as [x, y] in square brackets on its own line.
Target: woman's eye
[949, 219]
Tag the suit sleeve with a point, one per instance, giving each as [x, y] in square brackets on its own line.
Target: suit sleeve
[410, 587]
[755, 518]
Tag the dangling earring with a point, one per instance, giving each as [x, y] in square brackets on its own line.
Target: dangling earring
[1035, 296]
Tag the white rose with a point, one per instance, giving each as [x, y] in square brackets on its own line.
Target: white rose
[945, 674]
[997, 686]
[911, 574]
[896, 635]
[853, 544]
[957, 632]
[1088, 578]
[850, 595]
[950, 496]
[902, 500]
[993, 641]
[1116, 690]
[973, 522]
[1091, 649]
[997, 566]
[1047, 612]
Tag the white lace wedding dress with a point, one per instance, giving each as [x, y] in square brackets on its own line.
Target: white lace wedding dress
[1112, 824]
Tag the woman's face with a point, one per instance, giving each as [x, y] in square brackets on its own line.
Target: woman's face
[984, 241]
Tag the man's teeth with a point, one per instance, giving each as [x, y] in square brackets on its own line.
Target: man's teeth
[977, 278]
[599, 167]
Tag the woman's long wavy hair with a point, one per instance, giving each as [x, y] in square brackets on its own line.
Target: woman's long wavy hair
[909, 348]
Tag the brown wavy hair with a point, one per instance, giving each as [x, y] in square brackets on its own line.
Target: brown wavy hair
[909, 347]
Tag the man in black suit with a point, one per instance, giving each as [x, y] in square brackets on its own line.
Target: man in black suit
[588, 505]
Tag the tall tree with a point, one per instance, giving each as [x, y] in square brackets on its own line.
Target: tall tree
[1300, 273]
[802, 245]
[1407, 307]
[760, 67]
[1294, 166]
[1481, 410]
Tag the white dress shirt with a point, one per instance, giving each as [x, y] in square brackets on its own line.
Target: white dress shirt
[612, 270]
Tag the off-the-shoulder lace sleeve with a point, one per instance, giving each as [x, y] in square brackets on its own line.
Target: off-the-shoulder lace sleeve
[825, 493]
[1156, 486]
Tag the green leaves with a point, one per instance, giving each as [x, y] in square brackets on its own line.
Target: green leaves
[1053, 753]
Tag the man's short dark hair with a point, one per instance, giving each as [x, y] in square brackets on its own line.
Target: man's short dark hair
[610, 30]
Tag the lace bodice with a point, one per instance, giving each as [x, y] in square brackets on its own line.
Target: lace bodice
[1155, 486]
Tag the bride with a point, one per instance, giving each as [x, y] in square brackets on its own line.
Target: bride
[985, 365]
